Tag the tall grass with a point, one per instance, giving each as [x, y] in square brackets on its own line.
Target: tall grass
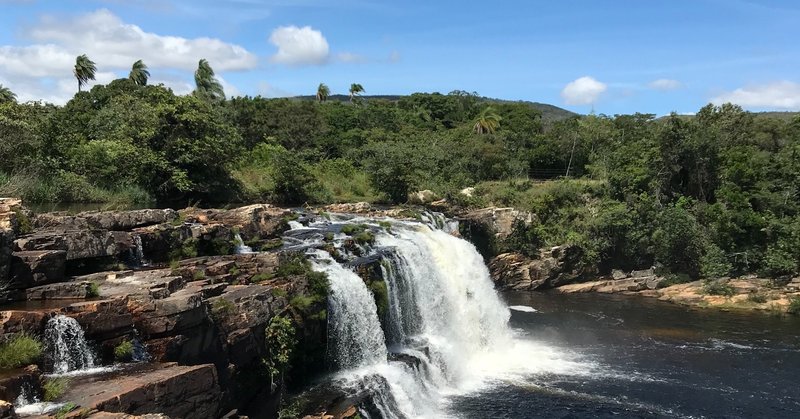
[21, 350]
[70, 188]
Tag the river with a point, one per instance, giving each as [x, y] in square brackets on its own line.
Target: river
[645, 358]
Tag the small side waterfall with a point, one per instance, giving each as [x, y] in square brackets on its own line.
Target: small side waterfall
[66, 348]
[357, 337]
[138, 251]
[241, 248]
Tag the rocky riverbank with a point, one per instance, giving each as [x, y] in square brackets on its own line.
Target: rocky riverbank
[559, 269]
[167, 281]
[170, 286]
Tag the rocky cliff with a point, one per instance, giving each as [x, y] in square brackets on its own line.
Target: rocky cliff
[167, 284]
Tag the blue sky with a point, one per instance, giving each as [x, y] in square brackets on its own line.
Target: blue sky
[616, 56]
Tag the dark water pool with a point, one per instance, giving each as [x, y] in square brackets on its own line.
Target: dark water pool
[651, 359]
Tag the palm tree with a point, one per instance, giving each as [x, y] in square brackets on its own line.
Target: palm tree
[323, 92]
[139, 73]
[487, 122]
[6, 95]
[355, 90]
[84, 70]
[208, 87]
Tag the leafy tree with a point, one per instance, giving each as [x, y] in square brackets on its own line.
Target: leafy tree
[6, 95]
[208, 88]
[487, 122]
[85, 70]
[139, 73]
[355, 91]
[323, 92]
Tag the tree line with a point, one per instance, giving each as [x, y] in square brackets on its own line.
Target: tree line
[708, 195]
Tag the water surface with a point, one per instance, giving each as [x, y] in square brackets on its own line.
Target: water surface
[645, 358]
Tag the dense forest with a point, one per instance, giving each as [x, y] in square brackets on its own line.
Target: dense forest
[709, 195]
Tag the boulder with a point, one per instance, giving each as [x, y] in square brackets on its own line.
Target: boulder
[556, 266]
[102, 319]
[350, 208]
[516, 271]
[105, 220]
[61, 291]
[7, 410]
[36, 267]
[167, 316]
[17, 321]
[259, 220]
[499, 221]
[422, 197]
[6, 239]
[173, 390]
[79, 244]
[13, 383]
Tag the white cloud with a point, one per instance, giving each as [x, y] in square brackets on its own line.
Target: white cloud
[776, 95]
[349, 57]
[394, 57]
[116, 44]
[665, 84]
[583, 91]
[43, 70]
[299, 46]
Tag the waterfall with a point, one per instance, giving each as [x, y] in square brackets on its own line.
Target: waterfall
[446, 328]
[66, 348]
[138, 251]
[356, 334]
[241, 248]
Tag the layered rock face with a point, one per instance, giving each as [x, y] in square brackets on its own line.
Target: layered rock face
[552, 268]
[200, 319]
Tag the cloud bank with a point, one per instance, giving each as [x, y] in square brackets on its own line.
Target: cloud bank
[777, 95]
[43, 70]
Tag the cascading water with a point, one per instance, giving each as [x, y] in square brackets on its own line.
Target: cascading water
[138, 251]
[241, 248]
[357, 337]
[446, 327]
[66, 348]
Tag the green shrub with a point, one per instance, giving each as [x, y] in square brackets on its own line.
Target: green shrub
[718, 288]
[674, 279]
[124, 351]
[303, 302]
[21, 350]
[261, 277]
[222, 307]
[351, 229]
[199, 275]
[280, 342]
[24, 225]
[364, 237]
[294, 264]
[381, 295]
[93, 290]
[64, 410]
[55, 387]
[278, 292]
[794, 305]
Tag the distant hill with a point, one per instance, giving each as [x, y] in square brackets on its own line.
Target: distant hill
[550, 113]
[786, 116]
